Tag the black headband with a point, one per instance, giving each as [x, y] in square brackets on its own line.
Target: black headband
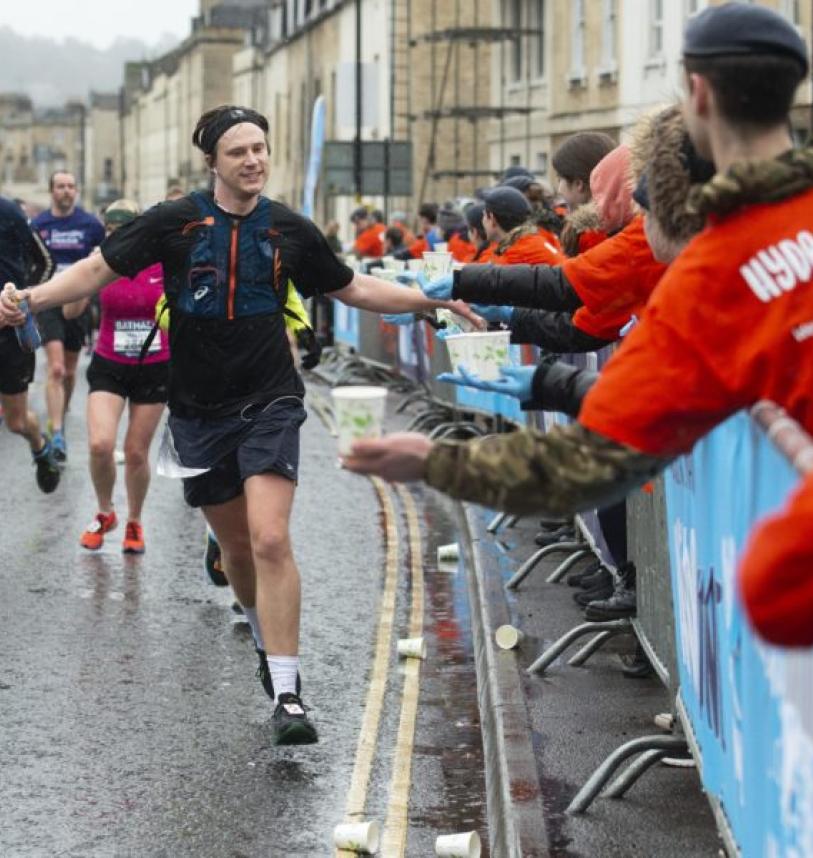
[207, 137]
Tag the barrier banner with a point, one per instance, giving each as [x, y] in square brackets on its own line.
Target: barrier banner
[749, 706]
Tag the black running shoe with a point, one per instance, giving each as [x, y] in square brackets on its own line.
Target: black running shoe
[290, 722]
[212, 561]
[48, 471]
[264, 675]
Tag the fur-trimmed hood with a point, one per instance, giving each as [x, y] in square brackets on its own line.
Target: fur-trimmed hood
[581, 220]
[672, 171]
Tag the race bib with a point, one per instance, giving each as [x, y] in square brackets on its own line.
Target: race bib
[129, 336]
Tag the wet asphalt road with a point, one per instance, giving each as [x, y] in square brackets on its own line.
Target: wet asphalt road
[131, 723]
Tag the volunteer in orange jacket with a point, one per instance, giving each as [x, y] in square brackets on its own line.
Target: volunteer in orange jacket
[776, 573]
[369, 234]
[506, 222]
[726, 325]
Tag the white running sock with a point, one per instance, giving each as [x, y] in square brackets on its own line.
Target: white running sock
[283, 670]
[253, 621]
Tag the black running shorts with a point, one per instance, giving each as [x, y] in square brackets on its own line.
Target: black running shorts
[268, 444]
[16, 366]
[54, 326]
[143, 384]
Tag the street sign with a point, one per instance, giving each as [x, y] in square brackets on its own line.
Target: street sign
[386, 168]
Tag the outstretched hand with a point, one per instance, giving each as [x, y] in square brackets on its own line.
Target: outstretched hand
[398, 458]
[514, 381]
[10, 298]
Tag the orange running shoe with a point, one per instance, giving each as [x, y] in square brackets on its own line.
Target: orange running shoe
[133, 538]
[93, 537]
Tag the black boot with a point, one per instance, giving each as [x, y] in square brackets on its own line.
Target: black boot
[603, 589]
[620, 603]
[637, 666]
[559, 534]
[575, 578]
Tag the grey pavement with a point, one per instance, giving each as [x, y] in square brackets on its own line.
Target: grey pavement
[132, 724]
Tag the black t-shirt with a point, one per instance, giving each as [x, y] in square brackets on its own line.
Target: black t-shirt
[225, 278]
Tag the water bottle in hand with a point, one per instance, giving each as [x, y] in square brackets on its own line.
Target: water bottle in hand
[28, 334]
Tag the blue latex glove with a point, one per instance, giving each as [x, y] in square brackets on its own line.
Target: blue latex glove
[399, 318]
[407, 278]
[515, 381]
[439, 289]
[498, 315]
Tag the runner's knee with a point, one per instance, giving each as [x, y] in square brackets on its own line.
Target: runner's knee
[102, 448]
[272, 543]
[56, 371]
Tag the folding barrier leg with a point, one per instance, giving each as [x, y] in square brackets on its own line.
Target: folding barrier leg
[512, 521]
[612, 627]
[585, 796]
[497, 522]
[618, 788]
[531, 562]
[588, 649]
[559, 572]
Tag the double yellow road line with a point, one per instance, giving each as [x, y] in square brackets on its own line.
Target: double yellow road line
[393, 843]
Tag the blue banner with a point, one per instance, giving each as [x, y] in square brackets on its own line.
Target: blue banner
[346, 324]
[750, 705]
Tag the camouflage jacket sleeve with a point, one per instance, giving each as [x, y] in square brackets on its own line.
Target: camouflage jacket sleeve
[556, 473]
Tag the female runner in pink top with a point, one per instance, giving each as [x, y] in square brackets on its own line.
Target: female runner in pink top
[116, 377]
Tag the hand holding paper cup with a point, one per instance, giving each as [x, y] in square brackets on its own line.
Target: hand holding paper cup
[466, 845]
[488, 351]
[359, 412]
[358, 837]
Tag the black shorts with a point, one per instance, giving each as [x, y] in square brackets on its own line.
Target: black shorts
[16, 366]
[140, 384]
[268, 444]
[54, 326]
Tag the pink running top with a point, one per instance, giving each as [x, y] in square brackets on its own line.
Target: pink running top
[128, 314]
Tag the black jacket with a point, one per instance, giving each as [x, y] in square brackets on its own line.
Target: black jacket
[538, 287]
[552, 331]
[558, 386]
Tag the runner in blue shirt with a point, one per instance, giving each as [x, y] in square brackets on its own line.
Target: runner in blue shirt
[70, 234]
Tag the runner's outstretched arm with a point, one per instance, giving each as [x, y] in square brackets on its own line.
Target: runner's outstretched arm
[381, 296]
[81, 280]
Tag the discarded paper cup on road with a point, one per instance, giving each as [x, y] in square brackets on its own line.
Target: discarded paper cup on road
[436, 264]
[488, 352]
[465, 845]
[508, 637]
[359, 412]
[358, 836]
[448, 553]
[412, 648]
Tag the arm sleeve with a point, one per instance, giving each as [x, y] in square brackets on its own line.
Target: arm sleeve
[540, 287]
[558, 386]
[557, 473]
[552, 331]
[39, 266]
[320, 271]
[139, 244]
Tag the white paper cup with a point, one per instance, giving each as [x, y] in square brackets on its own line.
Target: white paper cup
[458, 351]
[412, 648]
[393, 264]
[508, 637]
[488, 352]
[415, 264]
[448, 553]
[441, 247]
[436, 264]
[386, 274]
[358, 836]
[465, 845]
[359, 413]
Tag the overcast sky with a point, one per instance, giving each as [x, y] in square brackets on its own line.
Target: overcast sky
[99, 21]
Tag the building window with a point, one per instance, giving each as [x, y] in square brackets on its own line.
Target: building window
[609, 16]
[107, 172]
[515, 160]
[515, 23]
[790, 9]
[541, 167]
[656, 28]
[691, 7]
[537, 24]
[577, 27]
